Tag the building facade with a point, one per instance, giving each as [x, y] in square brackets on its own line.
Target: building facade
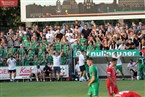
[131, 4]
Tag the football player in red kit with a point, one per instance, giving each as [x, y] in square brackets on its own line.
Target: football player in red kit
[111, 83]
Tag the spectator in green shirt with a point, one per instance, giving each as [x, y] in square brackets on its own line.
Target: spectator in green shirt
[49, 59]
[34, 42]
[27, 60]
[98, 43]
[58, 45]
[82, 39]
[43, 60]
[83, 47]
[25, 39]
[21, 50]
[31, 53]
[13, 50]
[29, 46]
[42, 45]
[5, 51]
[77, 46]
[40, 53]
[90, 46]
[36, 61]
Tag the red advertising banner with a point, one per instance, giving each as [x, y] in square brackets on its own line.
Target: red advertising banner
[143, 51]
[8, 3]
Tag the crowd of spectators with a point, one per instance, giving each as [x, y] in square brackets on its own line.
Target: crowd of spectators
[31, 46]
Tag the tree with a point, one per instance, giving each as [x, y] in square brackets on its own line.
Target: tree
[10, 16]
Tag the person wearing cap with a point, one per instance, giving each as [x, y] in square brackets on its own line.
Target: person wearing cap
[12, 68]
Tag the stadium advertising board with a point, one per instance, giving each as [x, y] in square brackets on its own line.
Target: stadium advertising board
[102, 53]
[23, 72]
[70, 10]
[8, 3]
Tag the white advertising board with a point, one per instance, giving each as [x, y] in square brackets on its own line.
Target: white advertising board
[23, 72]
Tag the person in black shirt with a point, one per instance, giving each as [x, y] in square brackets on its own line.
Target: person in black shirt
[136, 41]
[86, 31]
[130, 45]
[59, 35]
[47, 71]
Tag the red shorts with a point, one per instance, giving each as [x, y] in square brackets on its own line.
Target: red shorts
[112, 89]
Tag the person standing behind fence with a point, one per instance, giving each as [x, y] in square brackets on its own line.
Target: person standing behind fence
[12, 68]
[132, 67]
[82, 66]
[56, 64]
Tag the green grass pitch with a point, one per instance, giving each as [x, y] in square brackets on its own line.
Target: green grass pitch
[63, 89]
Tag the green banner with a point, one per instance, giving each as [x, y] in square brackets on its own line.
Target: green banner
[102, 53]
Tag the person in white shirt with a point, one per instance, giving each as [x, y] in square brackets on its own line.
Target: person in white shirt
[49, 36]
[77, 70]
[119, 62]
[12, 68]
[82, 65]
[132, 67]
[36, 72]
[68, 35]
[122, 46]
[72, 41]
[56, 64]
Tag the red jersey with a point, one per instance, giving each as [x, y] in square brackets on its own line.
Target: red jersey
[111, 71]
[127, 94]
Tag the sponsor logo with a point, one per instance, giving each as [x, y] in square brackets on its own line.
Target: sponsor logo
[25, 71]
[3, 71]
